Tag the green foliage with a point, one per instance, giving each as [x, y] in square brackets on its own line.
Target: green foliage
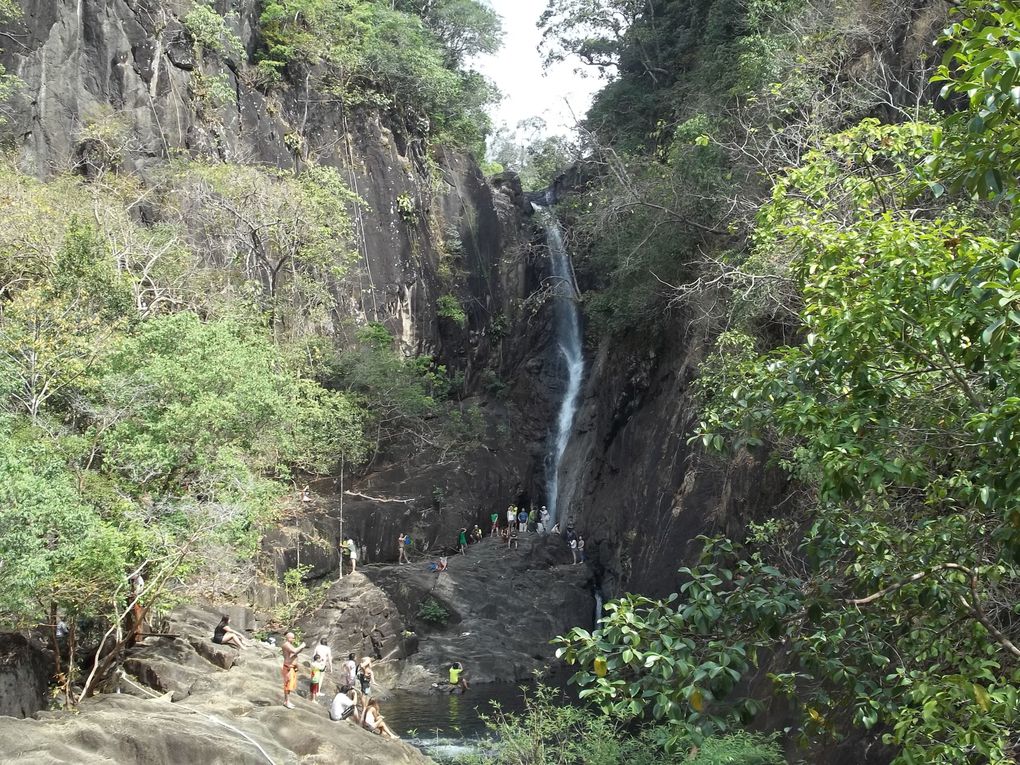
[433, 612]
[372, 53]
[982, 64]
[553, 731]
[449, 307]
[680, 659]
[899, 411]
[210, 32]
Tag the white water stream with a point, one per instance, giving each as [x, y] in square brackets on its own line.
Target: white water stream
[569, 341]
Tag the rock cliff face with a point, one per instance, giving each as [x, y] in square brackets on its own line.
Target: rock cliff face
[641, 494]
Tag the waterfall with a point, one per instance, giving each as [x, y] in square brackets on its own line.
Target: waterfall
[568, 338]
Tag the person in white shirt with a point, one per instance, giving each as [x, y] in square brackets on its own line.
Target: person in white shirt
[344, 706]
[323, 650]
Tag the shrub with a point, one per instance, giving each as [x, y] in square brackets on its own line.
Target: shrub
[433, 612]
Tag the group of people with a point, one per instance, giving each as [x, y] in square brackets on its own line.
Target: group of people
[522, 520]
[353, 699]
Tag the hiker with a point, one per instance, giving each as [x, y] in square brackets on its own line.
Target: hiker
[373, 720]
[224, 634]
[438, 566]
[345, 706]
[135, 620]
[462, 540]
[522, 520]
[511, 540]
[290, 667]
[543, 519]
[476, 533]
[318, 669]
[511, 516]
[353, 549]
[494, 517]
[365, 675]
[348, 673]
[555, 529]
[580, 547]
[458, 679]
[402, 542]
[326, 653]
[573, 550]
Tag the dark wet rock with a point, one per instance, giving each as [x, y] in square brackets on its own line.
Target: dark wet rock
[25, 669]
[504, 607]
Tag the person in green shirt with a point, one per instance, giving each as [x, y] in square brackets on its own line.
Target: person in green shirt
[494, 517]
[457, 677]
[462, 541]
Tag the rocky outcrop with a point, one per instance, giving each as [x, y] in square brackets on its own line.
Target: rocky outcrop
[25, 669]
[503, 606]
[641, 494]
[186, 700]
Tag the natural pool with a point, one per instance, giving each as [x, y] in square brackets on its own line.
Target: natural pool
[446, 725]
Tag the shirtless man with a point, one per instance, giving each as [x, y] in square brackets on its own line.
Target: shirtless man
[290, 665]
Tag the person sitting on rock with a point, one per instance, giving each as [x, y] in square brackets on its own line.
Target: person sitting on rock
[290, 667]
[348, 673]
[318, 669]
[224, 634]
[345, 706]
[372, 720]
[458, 678]
[511, 540]
[476, 533]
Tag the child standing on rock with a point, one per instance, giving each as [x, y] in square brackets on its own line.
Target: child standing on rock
[318, 670]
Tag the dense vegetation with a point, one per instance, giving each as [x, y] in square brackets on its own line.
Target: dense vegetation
[552, 731]
[174, 349]
[769, 169]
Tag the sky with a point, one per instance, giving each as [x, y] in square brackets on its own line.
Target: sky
[517, 71]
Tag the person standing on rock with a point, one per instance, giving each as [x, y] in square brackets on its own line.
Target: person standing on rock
[365, 675]
[495, 524]
[511, 516]
[401, 549]
[573, 550]
[462, 541]
[326, 653]
[348, 673]
[532, 520]
[290, 667]
[580, 547]
[318, 669]
[353, 551]
[522, 520]
[543, 518]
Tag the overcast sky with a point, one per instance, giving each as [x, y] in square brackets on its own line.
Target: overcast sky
[517, 71]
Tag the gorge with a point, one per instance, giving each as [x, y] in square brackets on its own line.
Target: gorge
[270, 281]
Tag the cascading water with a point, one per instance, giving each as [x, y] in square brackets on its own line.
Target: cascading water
[568, 338]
